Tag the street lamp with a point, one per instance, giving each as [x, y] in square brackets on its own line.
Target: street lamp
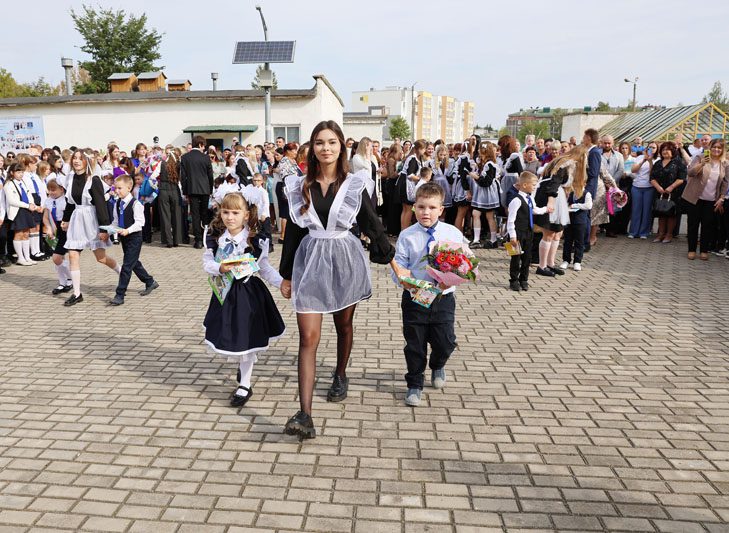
[412, 109]
[635, 84]
[267, 87]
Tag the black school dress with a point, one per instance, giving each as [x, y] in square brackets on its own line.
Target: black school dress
[248, 320]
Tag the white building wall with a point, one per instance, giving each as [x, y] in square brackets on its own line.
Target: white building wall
[376, 132]
[575, 125]
[95, 124]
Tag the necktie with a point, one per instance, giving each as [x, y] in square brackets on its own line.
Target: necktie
[35, 185]
[229, 246]
[53, 211]
[531, 214]
[431, 238]
[23, 194]
[121, 214]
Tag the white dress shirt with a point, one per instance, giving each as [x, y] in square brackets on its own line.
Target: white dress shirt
[138, 209]
[240, 243]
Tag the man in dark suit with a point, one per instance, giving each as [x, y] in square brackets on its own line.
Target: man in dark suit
[196, 177]
[594, 162]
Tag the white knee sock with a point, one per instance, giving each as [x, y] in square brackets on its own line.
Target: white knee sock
[34, 244]
[18, 245]
[26, 250]
[476, 233]
[544, 248]
[76, 281]
[246, 369]
[61, 273]
[66, 272]
[493, 236]
[553, 253]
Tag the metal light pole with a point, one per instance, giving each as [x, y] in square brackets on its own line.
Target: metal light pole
[266, 81]
[635, 84]
[412, 109]
[214, 77]
[67, 65]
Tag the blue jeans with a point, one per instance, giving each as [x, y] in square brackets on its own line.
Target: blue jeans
[641, 216]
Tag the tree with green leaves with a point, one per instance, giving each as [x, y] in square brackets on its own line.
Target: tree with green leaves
[538, 128]
[9, 88]
[399, 128]
[602, 106]
[256, 83]
[116, 43]
[718, 97]
[504, 131]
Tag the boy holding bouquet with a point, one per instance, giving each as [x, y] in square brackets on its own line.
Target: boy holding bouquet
[432, 325]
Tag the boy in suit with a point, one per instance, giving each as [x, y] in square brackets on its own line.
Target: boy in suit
[520, 226]
[423, 326]
[129, 216]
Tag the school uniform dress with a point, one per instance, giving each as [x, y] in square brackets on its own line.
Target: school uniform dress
[520, 226]
[56, 207]
[37, 189]
[406, 186]
[85, 211]
[553, 186]
[18, 202]
[463, 166]
[443, 176]
[486, 189]
[324, 260]
[510, 170]
[129, 214]
[248, 320]
[421, 326]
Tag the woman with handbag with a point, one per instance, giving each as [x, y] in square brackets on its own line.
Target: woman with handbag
[704, 196]
[667, 176]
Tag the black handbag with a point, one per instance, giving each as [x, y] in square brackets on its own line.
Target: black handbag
[664, 206]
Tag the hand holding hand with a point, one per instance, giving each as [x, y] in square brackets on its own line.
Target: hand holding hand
[64, 226]
[124, 232]
[286, 288]
[104, 237]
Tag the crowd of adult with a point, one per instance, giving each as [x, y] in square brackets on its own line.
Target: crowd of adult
[180, 187]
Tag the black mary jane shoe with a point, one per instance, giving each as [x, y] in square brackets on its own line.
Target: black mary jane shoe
[301, 425]
[545, 272]
[73, 300]
[556, 270]
[61, 288]
[238, 400]
[338, 390]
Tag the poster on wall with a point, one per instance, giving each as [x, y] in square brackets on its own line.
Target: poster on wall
[18, 133]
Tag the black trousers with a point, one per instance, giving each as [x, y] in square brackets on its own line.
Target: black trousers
[519, 265]
[147, 228]
[132, 246]
[6, 239]
[701, 215]
[574, 242]
[421, 326]
[170, 215]
[199, 212]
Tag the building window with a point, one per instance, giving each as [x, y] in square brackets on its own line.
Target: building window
[290, 133]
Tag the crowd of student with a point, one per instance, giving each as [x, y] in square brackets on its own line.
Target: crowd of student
[339, 199]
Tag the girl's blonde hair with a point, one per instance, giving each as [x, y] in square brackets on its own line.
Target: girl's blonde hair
[43, 169]
[578, 154]
[234, 201]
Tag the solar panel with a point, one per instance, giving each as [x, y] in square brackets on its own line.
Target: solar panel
[264, 52]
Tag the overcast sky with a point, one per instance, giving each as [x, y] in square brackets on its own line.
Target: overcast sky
[501, 55]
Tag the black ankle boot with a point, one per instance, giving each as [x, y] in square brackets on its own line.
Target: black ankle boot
[302, 425]
[338, 390]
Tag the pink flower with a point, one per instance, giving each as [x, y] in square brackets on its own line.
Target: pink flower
[445, 267]
[463, 269]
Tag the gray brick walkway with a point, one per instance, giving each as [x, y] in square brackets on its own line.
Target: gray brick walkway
[596, 401]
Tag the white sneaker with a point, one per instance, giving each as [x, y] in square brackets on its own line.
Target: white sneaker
[577, 267]
[563, 265]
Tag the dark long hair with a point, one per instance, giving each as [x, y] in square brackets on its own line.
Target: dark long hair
[313, 167]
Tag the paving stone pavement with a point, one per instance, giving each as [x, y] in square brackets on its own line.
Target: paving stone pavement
[596, 401]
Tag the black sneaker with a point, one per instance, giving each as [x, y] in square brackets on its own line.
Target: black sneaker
[524, 285]
[302, 425]
[338, 390]
[557, 270]
[515, 286]
[73, 300]
[545, 272]
[117, 300]
[149, 288]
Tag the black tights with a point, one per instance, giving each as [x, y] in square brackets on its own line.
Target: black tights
[309, 336]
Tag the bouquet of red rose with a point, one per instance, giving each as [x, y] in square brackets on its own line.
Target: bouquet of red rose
[616, 200]
[451, 263]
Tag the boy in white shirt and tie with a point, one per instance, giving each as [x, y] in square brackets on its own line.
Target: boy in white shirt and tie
[433, 325]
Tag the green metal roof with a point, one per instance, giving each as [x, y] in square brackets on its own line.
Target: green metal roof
[656, 124]
[223, 128]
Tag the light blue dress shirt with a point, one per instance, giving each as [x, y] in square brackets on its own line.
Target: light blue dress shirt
[411, 248]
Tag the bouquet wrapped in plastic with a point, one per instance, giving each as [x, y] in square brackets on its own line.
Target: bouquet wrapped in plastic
[451, 263]
[616, 200]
